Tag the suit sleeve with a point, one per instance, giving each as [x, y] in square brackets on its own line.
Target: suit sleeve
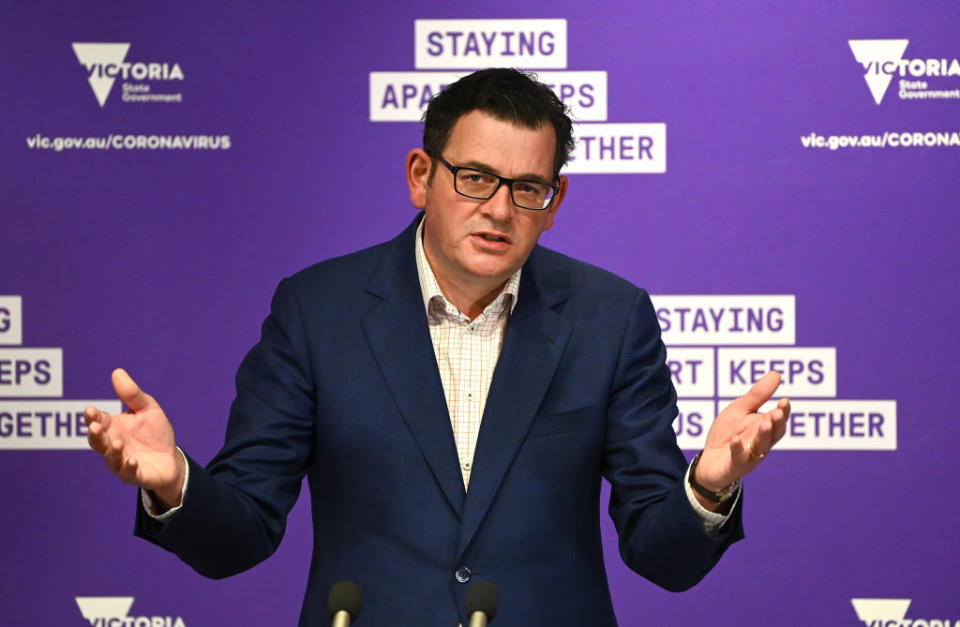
[234, 511]
[660, 536]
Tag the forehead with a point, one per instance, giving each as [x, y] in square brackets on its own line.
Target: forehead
[510, 150]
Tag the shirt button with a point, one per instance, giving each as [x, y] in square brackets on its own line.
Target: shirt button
[471, 329]
[463, 574]
[471, 396]
[466, 466]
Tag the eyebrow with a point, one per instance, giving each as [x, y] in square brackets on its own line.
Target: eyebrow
[479, 165]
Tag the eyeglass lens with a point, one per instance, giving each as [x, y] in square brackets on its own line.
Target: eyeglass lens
[479, 184]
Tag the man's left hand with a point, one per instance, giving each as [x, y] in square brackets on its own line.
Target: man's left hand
[740, 437]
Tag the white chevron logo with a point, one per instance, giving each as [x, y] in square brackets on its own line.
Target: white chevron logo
[873, 55]
[880, 611]
[93, 56]
[114, 612]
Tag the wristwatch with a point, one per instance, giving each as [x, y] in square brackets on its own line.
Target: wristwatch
[720, 497]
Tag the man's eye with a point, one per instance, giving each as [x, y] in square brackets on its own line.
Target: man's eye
[473, 177]
[529, 188]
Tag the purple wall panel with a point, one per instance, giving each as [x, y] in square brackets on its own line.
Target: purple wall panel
[163, 262]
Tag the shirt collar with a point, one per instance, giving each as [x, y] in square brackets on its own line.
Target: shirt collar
[430, 289]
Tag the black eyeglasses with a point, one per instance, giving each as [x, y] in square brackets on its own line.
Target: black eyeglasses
[482, 185]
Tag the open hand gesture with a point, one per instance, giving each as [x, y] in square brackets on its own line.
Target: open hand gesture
[740, 437]
[138, 445]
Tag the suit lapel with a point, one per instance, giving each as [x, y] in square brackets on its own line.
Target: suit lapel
[535, 341]
[399, 337]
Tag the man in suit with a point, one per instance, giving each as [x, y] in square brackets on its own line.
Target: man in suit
[454, 397]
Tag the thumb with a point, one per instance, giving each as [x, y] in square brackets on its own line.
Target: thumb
[760, 393]
[128, 391]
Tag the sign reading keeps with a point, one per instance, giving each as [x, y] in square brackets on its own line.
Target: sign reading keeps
[805, 371]
[718, 346]
[533, 44]
[31, 372]
[28, 374]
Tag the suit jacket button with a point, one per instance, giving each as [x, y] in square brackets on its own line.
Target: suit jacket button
[463, 574]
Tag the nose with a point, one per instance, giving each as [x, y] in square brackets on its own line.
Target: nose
[500, 206]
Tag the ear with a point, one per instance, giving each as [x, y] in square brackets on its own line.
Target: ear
[552, 211]
[418, 176]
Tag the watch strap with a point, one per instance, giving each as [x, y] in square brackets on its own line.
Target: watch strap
[719, 497]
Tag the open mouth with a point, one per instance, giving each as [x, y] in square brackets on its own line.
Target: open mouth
[492, 238]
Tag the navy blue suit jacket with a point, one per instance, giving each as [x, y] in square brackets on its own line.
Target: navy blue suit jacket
[343, 387]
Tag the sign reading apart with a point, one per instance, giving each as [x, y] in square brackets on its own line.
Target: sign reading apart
[404, 96]
[693, 371]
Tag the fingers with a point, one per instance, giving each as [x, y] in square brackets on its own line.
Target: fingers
[784, 405]
[738, 451]
[771, 427]
[759, 394]
[97, 424]
[758, 432]
[128, 391]
[109, 446]
[780, 422]
[759, 445]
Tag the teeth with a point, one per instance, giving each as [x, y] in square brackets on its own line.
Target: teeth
[491, 238]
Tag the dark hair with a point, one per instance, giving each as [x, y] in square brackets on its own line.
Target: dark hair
[506, 94]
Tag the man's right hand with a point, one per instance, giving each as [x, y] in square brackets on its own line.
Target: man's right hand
[138, 445]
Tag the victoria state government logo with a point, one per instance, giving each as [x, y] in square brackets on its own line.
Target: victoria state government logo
[882, 60]
[892, 613]
[104, 63]
[114, 612]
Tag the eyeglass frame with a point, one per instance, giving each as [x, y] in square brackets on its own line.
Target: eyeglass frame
[500, 181]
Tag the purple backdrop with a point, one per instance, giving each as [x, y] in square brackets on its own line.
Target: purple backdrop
[160, 255]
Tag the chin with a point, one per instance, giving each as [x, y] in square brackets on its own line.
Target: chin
[485, 271]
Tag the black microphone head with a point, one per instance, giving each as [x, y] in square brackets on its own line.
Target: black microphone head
[344, 595]
[482, 597]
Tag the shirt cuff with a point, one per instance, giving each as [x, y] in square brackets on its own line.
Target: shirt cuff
[150, 506]
[712, 521]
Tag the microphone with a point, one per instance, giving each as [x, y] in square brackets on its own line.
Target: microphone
[343, 605]
[481, 603]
